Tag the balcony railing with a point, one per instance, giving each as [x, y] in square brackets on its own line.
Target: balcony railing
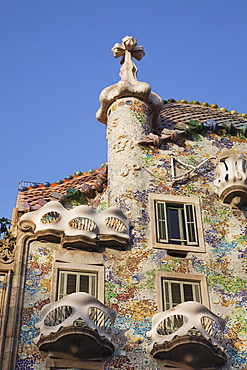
[81, 318]
[188, 334]
[81, 227]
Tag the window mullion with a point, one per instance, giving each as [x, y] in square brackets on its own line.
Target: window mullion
[182, 291]
[77, 289]
[181, 226]
[170, 294]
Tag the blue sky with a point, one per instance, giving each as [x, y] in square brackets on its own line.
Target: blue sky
[55, 59]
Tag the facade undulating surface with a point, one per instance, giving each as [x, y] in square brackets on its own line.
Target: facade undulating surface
[176, 233]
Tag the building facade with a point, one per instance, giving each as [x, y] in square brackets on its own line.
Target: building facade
[140, 264]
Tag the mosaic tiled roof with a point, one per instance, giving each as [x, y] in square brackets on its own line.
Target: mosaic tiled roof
[33, 196]
[36, 195]
[177, 112]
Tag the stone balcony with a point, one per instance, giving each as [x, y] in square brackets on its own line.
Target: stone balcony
[231, 182]
[76, 328]
[188, 336]
[78, 228]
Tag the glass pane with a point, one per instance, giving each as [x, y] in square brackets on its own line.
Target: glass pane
[197, 295]
[71, 283]
[2, 287]
[93, 285]
[176, 294]
[62, 293]
[167, 302]
[84, 283]
[173, 224]
[188, 292]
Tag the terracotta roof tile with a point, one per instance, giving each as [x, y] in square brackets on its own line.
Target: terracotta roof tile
[32, 196]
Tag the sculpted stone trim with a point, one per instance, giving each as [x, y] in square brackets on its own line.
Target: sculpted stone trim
[26, 226]
[74, 229]
[193, 312]
[188, 320]
[87, 344]
[7, 246]
[122, 143]
[194, 350]
[93, 339]
[5, 325]
[128, 85]
[82, 212]
[130, 168]
[232, 181]
[80, 242]
[10, 345]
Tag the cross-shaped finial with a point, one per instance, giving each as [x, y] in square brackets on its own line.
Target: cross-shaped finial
[127, 50]
[128, 45]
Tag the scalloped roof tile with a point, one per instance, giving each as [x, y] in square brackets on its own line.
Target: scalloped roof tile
[173, 113]
[41, 192]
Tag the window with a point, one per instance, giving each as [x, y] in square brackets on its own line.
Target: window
[175, 292]
[175, 288]
[176, 223]
[75, 277]
[3, 284]
[72, 282]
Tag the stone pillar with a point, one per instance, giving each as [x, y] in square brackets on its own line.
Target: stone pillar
[129, 121]
[130, 111]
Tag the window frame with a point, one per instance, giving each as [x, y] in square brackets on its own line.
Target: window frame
[182, 201]
[78, 274]
[77, 268]
[180, 277]
[4, 309]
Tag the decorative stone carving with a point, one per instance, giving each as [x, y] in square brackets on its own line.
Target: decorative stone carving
[188, 336]
[122, 143]
[232, 181]
[165, 135]
[110, 127]
[81, 226]
[77, 326]
[26, 225]
[130, 168]
[128, 85]
[7, 246]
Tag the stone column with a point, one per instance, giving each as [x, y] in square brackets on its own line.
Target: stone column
[130, 110]
[129, 121]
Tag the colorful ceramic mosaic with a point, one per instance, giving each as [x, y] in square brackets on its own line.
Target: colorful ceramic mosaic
[130, 275]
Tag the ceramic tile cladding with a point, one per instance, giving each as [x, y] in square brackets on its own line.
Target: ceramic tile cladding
[36, 295]
[130, 275]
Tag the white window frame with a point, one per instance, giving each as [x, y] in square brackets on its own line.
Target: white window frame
[80, 269]
[182, 202]
[91, 275]
[180, 278]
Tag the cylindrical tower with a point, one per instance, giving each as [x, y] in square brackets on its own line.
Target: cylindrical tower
[130, 110]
